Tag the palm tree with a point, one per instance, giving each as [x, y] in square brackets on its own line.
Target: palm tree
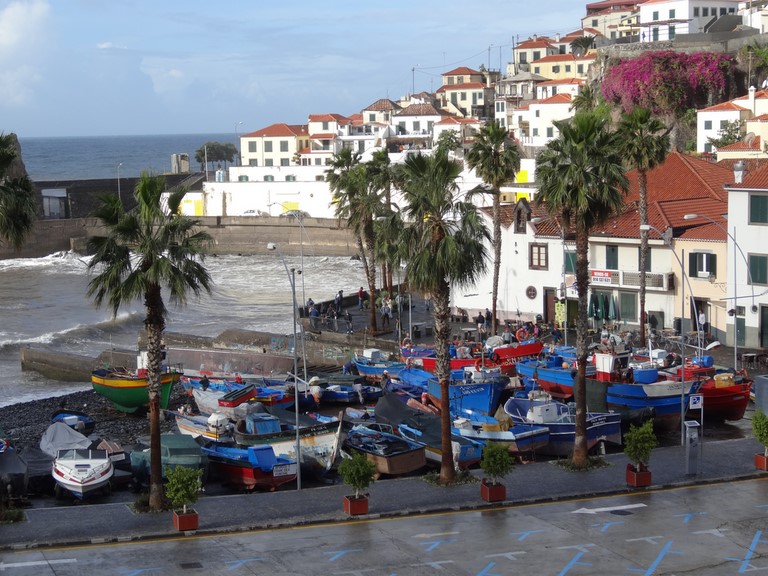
[382, 175]
[644, 145]
[582, 45]
[358, 203]
[444, 246]
[581, 180]
[496, 159]
[18, 204]
[145, 249]
[585, 100]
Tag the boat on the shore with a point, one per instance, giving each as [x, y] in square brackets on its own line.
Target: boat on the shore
[127, 390]
[391, 454]
[372, 364]
[82, 472]
[214, 428]
[253, 467]
[76, 420]
[175, 450]
[517, 438]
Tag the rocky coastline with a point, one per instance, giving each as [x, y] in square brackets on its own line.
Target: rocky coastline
[25, 423]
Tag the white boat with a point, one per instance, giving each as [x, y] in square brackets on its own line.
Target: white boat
[82, 471]
[215, 428]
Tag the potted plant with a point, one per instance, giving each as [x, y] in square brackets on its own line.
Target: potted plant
[357, 472]
[495, 463]
[182, 489]
[638, 444]
[760, 429]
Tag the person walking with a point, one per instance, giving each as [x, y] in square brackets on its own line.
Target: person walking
[348, 318]
[360, 298]
[488, 321]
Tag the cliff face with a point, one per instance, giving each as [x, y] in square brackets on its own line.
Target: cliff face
[17, 168]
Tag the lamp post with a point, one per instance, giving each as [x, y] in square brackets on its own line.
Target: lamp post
[667, 238]
[237, 140]
[292, 279]
[119, 196]
[735, 276]
[536, 220]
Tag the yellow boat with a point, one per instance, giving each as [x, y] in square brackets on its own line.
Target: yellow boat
[128, 390]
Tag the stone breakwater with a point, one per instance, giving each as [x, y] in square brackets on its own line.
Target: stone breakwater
[25, 423]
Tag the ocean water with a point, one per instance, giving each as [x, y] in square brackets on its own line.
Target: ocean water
[89, 157]
[43, 301]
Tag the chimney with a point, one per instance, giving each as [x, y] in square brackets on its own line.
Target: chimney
[557, 37]
[751, 99]
[739, 171]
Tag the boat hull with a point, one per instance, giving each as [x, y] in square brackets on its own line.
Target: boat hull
[392, 455]
[725, 402]
[83, 472]
[128, 392]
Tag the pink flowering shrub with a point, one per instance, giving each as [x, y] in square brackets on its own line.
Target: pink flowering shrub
[667, 81]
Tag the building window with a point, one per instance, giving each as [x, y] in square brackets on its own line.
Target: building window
[705, 12]
[268, 162]
[555, 69]
[758, 209]
[723, 11]
[758, 268]
[695, 11]
[655, 34]
[318, 161]
[463, 96]
[371, 117]
[723, 124]
[628, 306]
[612, 257]
[671, 13]
[283, 145]
[647, 260]
[401, 127]
[268, 146]
[325, 144]
[537, 113]
[707, 124]
[655, 15]
[536, 69]
[580, 68]
[567, 67]
[535, 131]
[269, 178]
[537, 256]
[594, 23]
[570, 262]
[702, 265]
[523, 57]
[416, 126]
[536, 55]
[290, 178]
[550, 132]
[285, 161]
[252, 146]
[320, 177]
[671, 32]
[253, 162]
[325, 125]
[459, 79]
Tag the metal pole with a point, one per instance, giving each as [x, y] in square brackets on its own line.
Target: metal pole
[682, 350]
[565, 292]
[292, 278]
[119, 196]
[735, 310]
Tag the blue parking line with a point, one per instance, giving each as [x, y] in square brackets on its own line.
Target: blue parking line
[574, 562]
[336, 554]
[687, 517]
[745, 565]
[432, 545]
[655, 564]
[605, 525]
[235, 564]
[484, 571]
[524, 535]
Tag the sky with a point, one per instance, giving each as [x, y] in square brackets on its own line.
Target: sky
[130, 67]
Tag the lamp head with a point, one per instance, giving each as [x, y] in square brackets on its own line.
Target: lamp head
[271, 246]
[645, 227]
[690, 217]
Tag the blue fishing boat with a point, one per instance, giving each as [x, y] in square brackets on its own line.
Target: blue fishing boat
[373, 362]
[391, 454]
[331, 393]
[76, 420]
[251, 467]
[518, 438]
[555, 374]
[560, 418]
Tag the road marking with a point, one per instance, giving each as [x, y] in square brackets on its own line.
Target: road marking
[336, 554]
[655, 564]
[574, 562]
[524, 535]
[606, 525]
[436, 534]
[4, 566]
[607, 509]
[234, 564]
[580, 547]
[746, 565]
[649, 539]
[432, 545]
[687, 517]
[507, 555]
[714, 531]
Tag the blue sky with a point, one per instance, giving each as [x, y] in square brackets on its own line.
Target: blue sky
[112, 67]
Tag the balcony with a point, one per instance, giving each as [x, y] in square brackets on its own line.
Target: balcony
[654, 281]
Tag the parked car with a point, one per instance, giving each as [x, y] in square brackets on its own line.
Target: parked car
[300, 214]
[255, 213]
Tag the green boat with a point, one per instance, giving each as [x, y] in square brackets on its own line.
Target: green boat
[128, 390]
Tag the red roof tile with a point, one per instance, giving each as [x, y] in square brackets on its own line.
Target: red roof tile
[322, 136]
[419, 110]
[538, 43]
[757, 179]
[328, 118]
[461, 71]
[753, 144]
[578, 81]
[556, 99]
[382, 105]
[279, 130]
[464, 86]
[724, 107]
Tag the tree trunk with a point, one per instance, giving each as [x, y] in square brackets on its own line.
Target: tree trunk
[441, 311]
[371, 278]
[496, 256]
[580, 385]
[642, 179]
[155, 325]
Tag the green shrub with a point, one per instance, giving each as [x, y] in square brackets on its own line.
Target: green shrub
[638, 444]
[357, 472]
[496, 461]
[183, 486]
[760, 428]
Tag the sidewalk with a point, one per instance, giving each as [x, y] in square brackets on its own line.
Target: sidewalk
[57, 525]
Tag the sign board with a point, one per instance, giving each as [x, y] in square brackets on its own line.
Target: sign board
[696, 402]
[601, 277]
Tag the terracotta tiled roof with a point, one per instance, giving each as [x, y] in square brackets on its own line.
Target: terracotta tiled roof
[538, 43]
[753, 144]
[757, 179]
[461, 71]
[761, 118]
[578, 81]
[556, 99]
[455, 120]
[328, 118]
[751, 164]
[464, 86]
[593, 32]
[356, 119]
[279, 130]
[707, 231]
[724, 107]
[305, 151]
[419, 110]
[382, 105]
[322, 136]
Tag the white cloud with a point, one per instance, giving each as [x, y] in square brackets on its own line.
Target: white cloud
[110, 46]
[22, 33]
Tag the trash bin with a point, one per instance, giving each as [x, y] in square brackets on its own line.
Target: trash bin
[692, 447]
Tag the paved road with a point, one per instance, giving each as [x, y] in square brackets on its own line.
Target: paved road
[711, 529]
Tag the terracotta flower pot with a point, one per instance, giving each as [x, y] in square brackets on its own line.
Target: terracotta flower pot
[492, 492]
[355, 506]
[638, 478]
[761, 462]
[183, 522]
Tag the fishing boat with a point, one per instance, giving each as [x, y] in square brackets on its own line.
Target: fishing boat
[373, 362]
[425, 428]
[82, 472]
[553, 373]
[175, 450]
[473, 389]
[254, 467]
[127, 390]
[214, 428]
[391, 454]
[518, 438]
[79, 421]
[319, 441]
[270, 391]
[541, 409]
[494, 355]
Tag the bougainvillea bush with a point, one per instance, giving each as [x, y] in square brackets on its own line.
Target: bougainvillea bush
[669, 82]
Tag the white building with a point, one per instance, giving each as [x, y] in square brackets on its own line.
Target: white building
[662, 20]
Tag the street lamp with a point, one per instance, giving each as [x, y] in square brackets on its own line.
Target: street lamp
[292, 279]
[237, 140]
[667, 238]
[735, 297]
[119, 196]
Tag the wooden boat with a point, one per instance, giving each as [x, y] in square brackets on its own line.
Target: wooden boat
[175, 450]
[518, 438]
[504, 357]
[128, 390]
[79, 421]
[553, 374]
[390, 454]
[372, 363]
[215, 428]
[541, 409]
[237, 396]
[344, 394]
[250, 468]
[319, 441]
[82, 471]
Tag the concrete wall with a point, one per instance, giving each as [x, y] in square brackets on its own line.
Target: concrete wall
[231, 235]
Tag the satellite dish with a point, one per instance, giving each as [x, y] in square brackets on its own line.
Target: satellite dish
[749, 138]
